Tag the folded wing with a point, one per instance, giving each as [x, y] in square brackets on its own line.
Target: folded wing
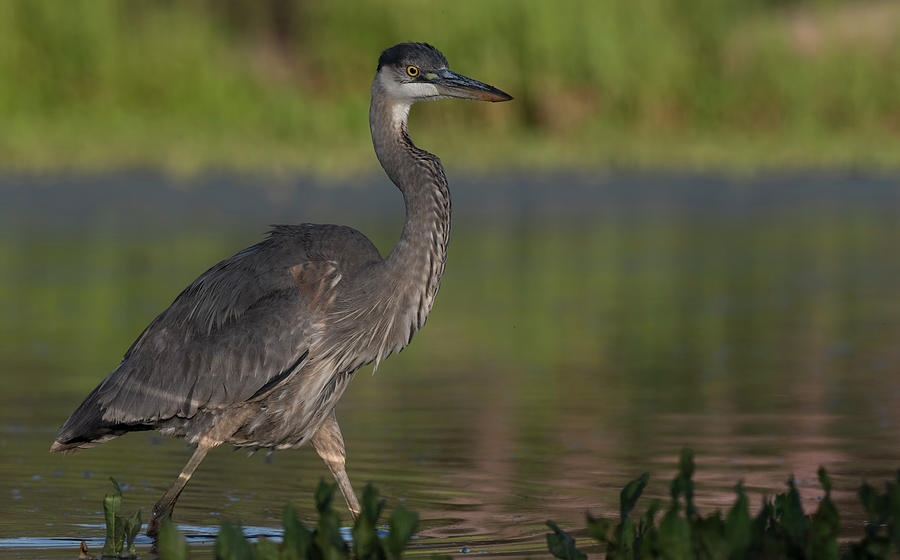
[236, 332]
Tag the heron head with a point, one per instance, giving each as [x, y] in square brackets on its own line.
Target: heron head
[411, 72]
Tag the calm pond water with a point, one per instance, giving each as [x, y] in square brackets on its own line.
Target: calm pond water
[587, 329]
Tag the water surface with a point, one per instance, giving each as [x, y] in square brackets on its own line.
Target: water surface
[587, 329]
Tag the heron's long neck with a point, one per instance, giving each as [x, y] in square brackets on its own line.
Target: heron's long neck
[416, 264]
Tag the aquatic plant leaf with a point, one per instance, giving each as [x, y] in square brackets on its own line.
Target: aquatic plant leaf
[869, 498]
[132, 526]
[686, 463]
[111, 505]
[267, 550]
[645, 542]
[116, 487]
[297, 538]
[327, 537]
[649, 516]
[171, 544]
[792, 517]
[403, 526]
[893, 497]
[881, 531]
[674, 536]
[231, 544]
[825, 481]
[598, 528]
[366, 544]
[708, 535]
[327, 540]
[371, 505]
[824, 532]
[781, 530]
[120, 534]
[625, 537]
[682, 484]
[562, 545]
[324, 495]
[763, 542]
[825, 524]
[738, 525]
[630, 494]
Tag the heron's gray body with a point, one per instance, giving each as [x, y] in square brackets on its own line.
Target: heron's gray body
[249, 336]
[258, 350]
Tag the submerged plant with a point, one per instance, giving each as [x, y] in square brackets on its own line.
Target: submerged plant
[781, 529]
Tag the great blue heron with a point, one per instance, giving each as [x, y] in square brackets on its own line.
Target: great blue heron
[257, 351]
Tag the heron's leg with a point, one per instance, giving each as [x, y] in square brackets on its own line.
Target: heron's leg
[166, 504]
[329, 444]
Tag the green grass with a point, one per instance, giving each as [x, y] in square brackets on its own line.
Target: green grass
[94, 84]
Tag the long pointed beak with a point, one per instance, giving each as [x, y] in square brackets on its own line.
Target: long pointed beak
[452, 84]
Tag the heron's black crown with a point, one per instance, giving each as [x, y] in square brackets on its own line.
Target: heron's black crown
[421, 55]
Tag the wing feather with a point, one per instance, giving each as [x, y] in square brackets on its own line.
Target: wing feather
[234, 334]
[240, 328]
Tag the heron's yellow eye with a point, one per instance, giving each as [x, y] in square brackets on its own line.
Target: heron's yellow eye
[412, 71]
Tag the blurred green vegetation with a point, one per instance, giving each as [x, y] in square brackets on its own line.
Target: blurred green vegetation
[281, 85]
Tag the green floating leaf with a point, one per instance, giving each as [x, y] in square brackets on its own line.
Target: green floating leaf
[170, 543]
[297, 538]
[562, 545]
